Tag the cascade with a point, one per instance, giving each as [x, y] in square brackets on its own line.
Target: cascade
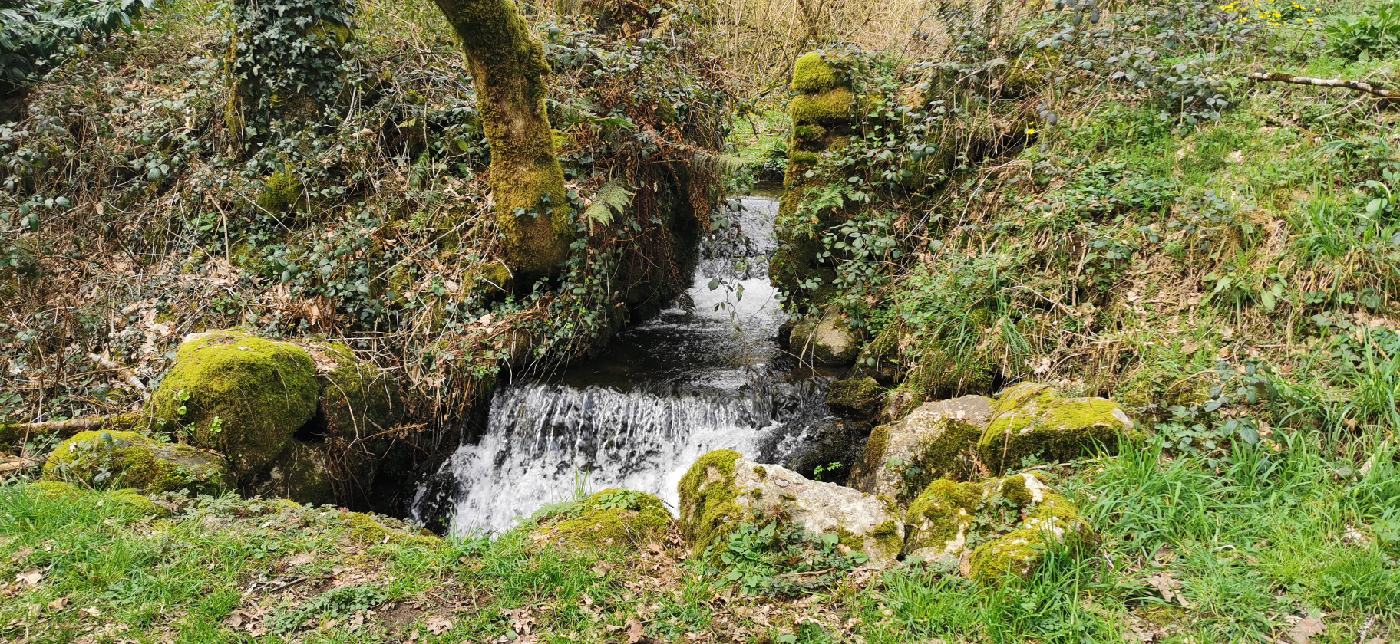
[705, 374]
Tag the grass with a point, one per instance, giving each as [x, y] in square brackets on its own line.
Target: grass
[1186, 551]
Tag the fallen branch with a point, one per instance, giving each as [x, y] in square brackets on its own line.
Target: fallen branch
[1359, 86]
[10, 465]
[13, 434]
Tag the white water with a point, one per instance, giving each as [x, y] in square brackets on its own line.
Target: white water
[697, 378]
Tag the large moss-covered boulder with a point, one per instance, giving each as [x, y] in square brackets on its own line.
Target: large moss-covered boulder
[723, 490]
[238, 394]
[1033, 420]
[990, 528]
[118, 459]
[358, 401]
[936, 440]
[612, 518]
[827, 340]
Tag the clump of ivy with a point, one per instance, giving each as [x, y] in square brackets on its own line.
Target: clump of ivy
[777, 558]
[286, 61]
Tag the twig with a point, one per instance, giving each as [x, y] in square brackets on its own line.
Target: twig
[127, 377]
[1360, 86]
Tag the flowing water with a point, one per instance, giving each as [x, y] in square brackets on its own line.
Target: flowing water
[705, 374]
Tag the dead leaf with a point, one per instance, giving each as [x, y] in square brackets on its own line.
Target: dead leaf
[30, 577]
[90, 611]
[439, 625]
[1304, 629]
[58, 604]
[1168, 587]
[634, 632]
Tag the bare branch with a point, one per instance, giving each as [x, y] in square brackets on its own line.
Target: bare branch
[1360, 86]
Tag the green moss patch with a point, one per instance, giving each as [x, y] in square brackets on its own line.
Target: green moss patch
[831, 106]
[612, 518]
[1034, 421]
[812, 72]
[855, 397]
[118, 459]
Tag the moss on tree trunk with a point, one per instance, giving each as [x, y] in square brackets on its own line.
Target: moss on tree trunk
[508, 67]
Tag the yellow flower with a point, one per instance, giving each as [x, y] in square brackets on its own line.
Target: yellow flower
[1030, 131]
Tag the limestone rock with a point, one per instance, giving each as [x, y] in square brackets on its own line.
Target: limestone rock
[723, 490]
[936, 440]
[1031, 419]
[991, 528]
[612, 518]
[828, 340]
[124, 459]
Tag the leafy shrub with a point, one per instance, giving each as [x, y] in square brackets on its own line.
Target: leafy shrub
[1375, 35]
[37, 33]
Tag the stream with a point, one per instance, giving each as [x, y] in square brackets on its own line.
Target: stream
[707, 373]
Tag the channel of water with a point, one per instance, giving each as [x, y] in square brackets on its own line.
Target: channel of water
[707, 373]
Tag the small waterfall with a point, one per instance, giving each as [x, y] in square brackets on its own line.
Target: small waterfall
[702, 376]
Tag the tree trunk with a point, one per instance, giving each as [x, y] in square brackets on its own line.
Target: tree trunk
[508, 67]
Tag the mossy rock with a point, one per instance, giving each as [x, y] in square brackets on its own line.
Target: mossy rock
[358, 401]
[938, 519]
[831, 107]
[1033, 420]
[1053, 521]
[993, 527]
[807, 139]
[855, 397]
[828, 340]
[936, 440]
[709, 507]
[723, 491]
[302, 474]
[612, 518]
[812, 73]
[282, 193]
[240, 395]
[124, 459]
